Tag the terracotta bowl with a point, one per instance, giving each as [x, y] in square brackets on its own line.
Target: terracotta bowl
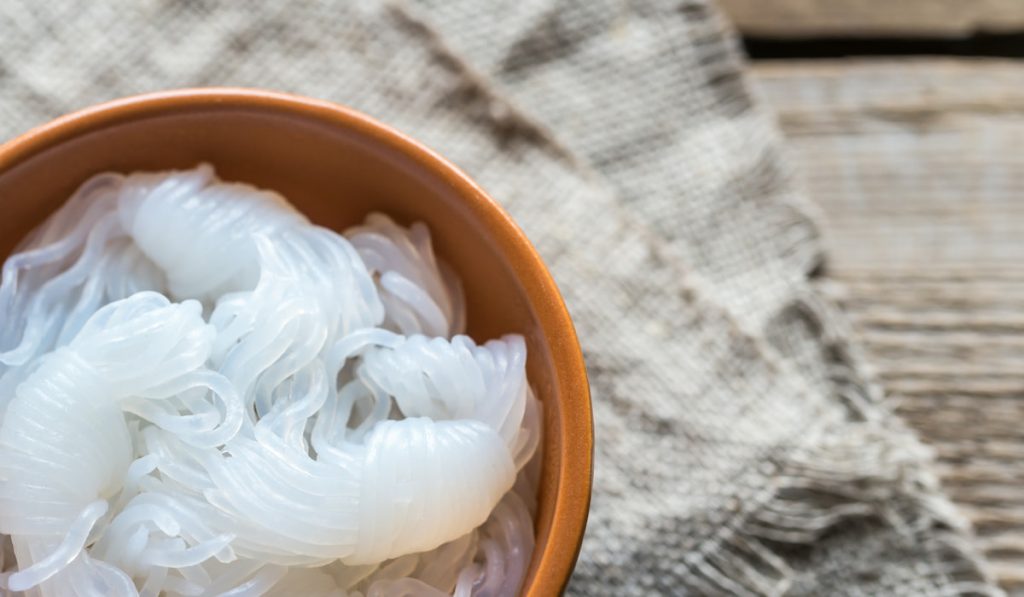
[336, 165]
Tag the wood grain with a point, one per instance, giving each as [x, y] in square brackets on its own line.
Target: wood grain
[811, 18]
[918, 166]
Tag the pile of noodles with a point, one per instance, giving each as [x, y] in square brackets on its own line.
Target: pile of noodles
[201, 393]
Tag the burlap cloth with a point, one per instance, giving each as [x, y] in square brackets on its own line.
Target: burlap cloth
[740, 448]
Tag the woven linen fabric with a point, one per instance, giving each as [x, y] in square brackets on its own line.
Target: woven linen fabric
[740, 447]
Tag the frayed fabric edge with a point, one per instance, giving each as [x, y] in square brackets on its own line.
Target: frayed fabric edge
[869, 466]
[820, 487]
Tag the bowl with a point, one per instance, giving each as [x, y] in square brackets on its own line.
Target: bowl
[336, 165]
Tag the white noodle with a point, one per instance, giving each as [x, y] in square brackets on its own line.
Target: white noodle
[202, 393]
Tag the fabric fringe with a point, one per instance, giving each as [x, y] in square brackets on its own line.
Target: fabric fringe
[857, 472]
[870, 466]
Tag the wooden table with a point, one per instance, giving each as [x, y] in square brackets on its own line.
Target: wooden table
[918, 166]
[874, 18]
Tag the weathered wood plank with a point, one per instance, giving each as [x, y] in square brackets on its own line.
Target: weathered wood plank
[919, 170]
[810, 18]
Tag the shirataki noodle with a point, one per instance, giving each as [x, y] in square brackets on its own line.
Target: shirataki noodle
[202, 393]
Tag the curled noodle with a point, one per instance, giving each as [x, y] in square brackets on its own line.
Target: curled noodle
[202, 393]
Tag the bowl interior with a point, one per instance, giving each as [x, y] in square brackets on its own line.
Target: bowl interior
[336, 166]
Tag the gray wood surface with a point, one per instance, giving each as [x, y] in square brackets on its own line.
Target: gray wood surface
[918, 166]
[806, 18]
